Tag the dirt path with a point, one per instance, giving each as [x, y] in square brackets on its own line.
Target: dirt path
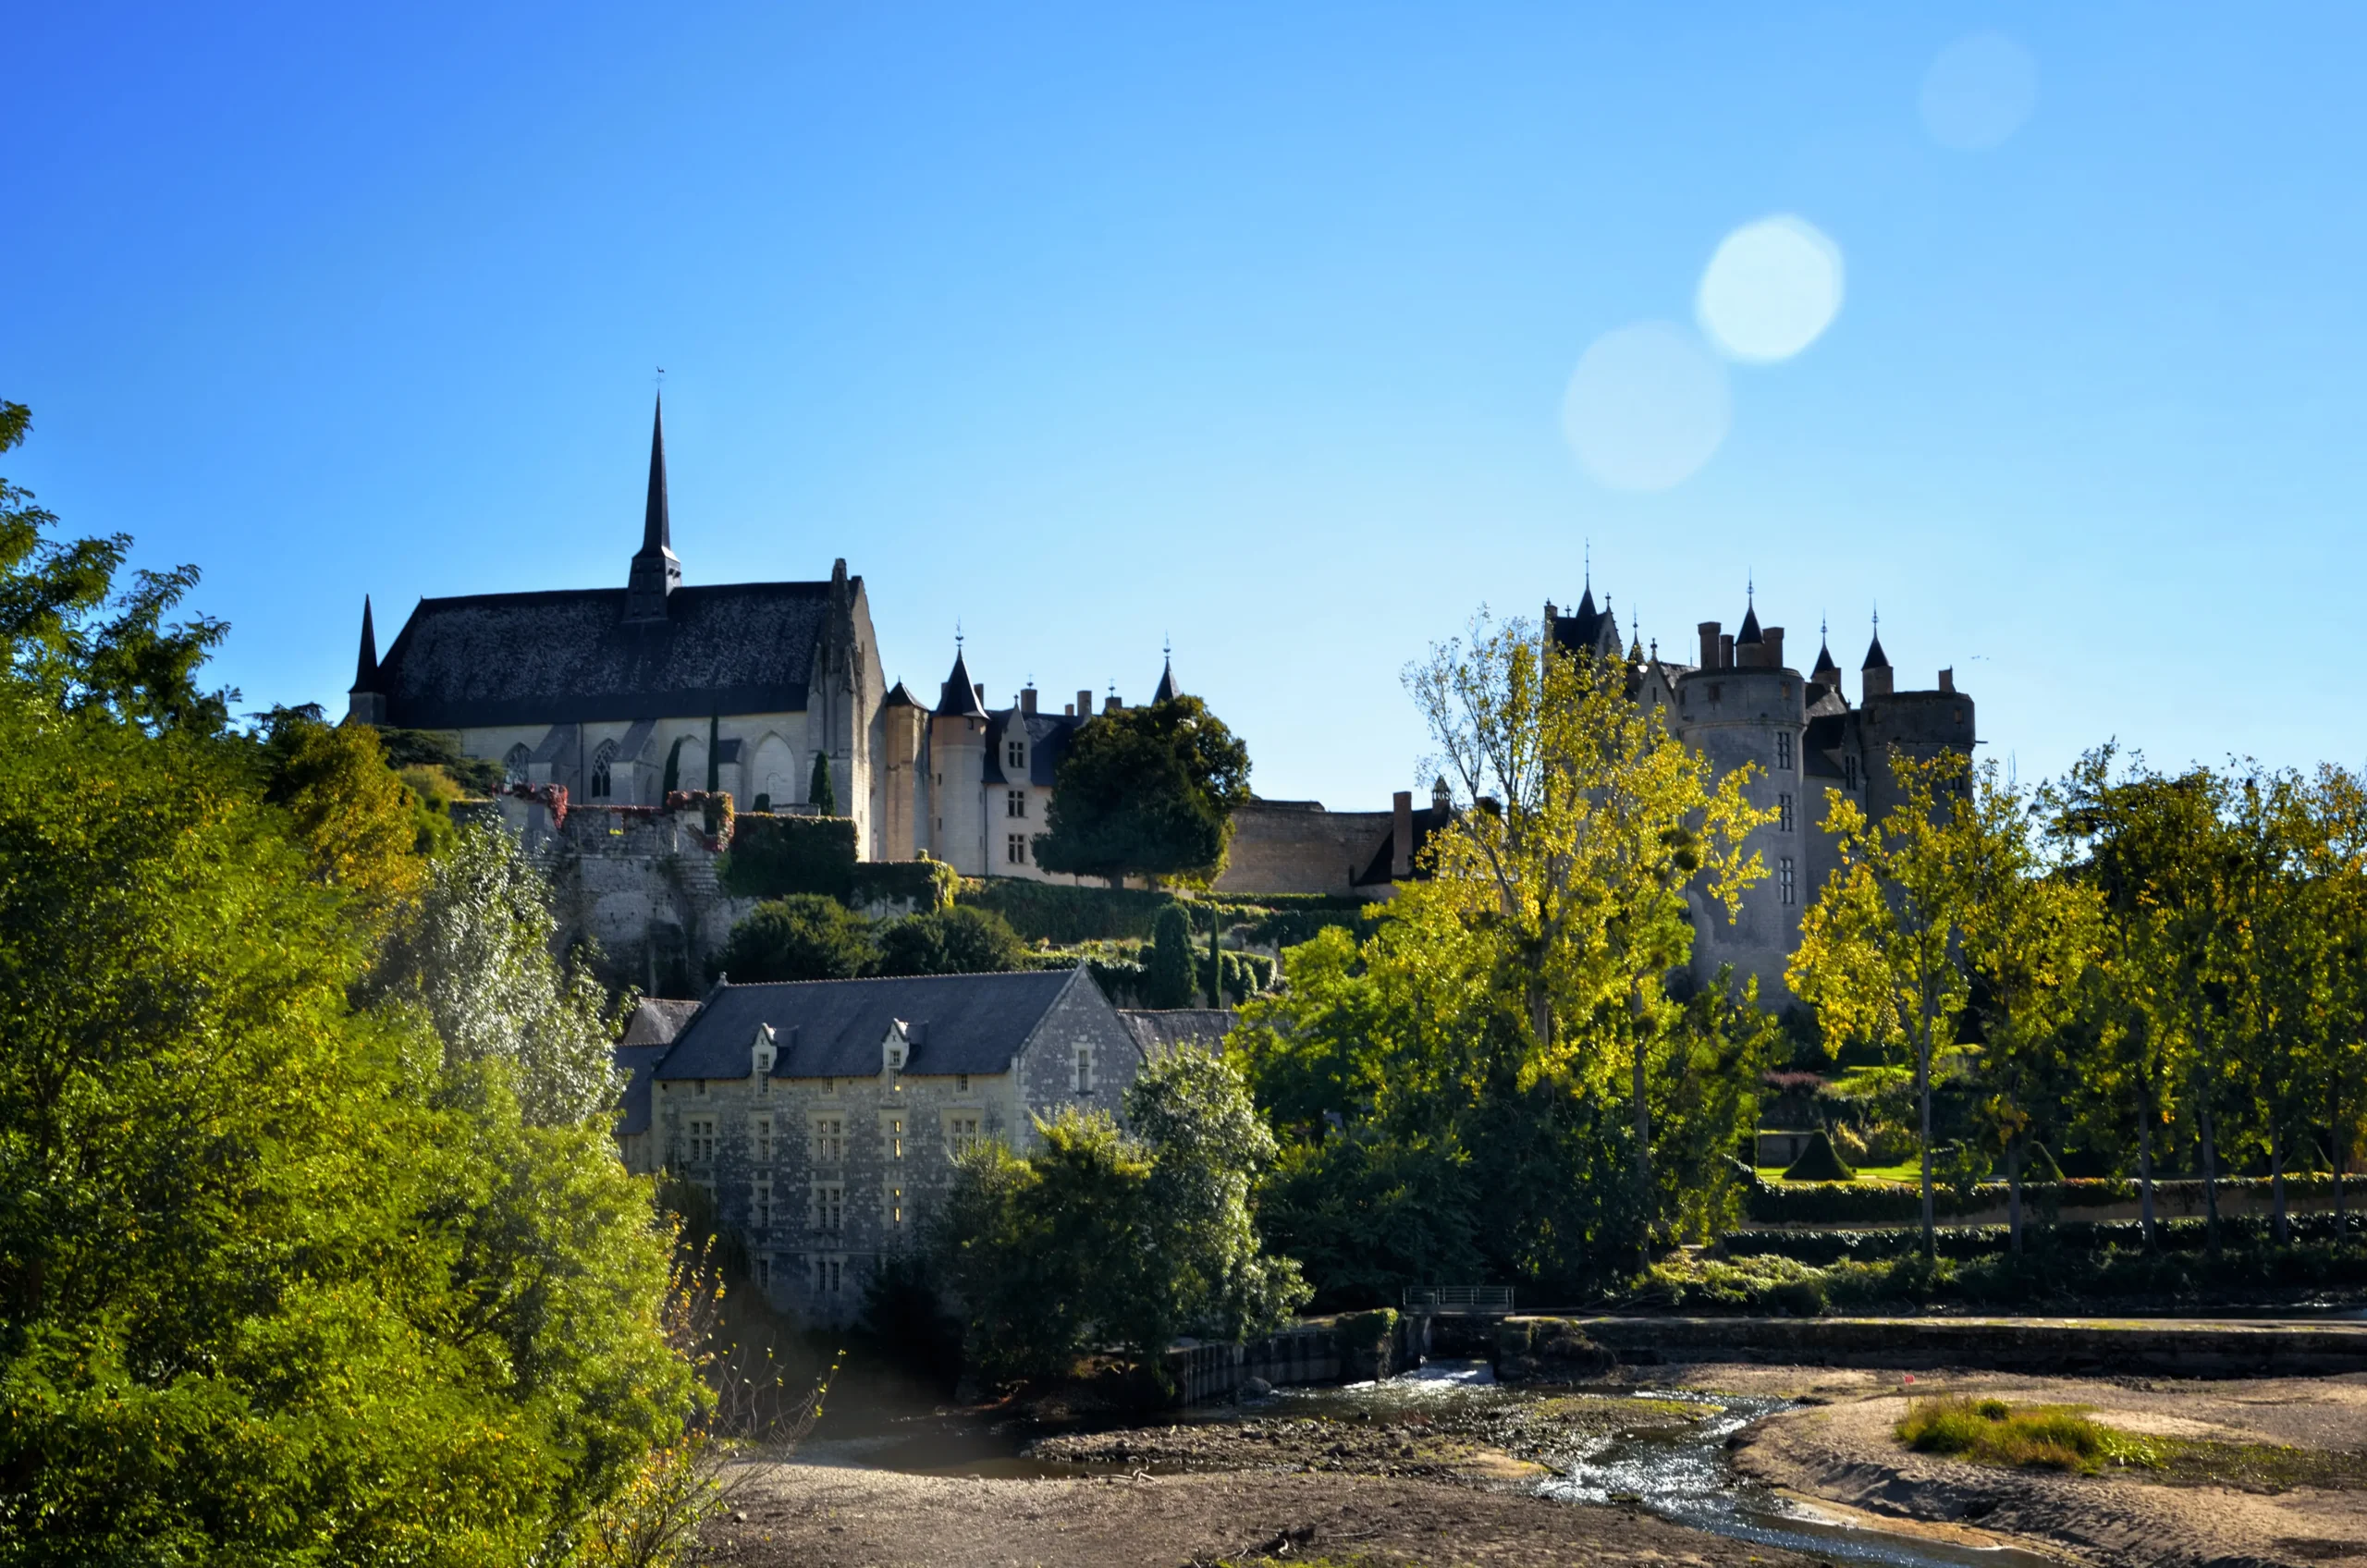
[2301, 1499]
[814, 1517]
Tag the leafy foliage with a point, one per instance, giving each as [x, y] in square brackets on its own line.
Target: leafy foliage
[1167, 972]
[953, 941]
[1146, 791]
[803, 936]
[819, 791]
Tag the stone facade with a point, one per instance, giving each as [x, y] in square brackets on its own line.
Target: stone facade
[826, 1117]
[1740, 704]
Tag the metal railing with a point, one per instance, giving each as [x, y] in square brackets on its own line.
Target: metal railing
[1469, 1298]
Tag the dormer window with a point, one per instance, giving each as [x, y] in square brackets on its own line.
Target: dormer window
[1015, 756]
[895, 1049]
[761, 1054]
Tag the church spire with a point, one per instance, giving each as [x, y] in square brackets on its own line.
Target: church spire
[1167, 692]
[655, 570]
[365, 668]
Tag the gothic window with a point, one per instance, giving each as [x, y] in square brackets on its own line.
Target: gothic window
[603, 761]
[1784, 749]
[514, 765]
[1784, 810]
[1015, 849]
[1014, 803]
[1785, 881]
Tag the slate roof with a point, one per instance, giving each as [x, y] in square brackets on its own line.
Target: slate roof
[1162, 1030]
[958, 698]
[1875, 657]
[648, 1036]
[832, 1028]
[569, 656]
[1827, 732]
[1048, 740]
[1584, 629]
[1426, 821]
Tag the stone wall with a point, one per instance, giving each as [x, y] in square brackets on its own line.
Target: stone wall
[1298, 847]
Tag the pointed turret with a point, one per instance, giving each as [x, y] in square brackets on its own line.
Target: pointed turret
[1750, 632]
[1875, 657]
[364, 702]
[1826, 670]
[959, 697]
[1873, 676]
[656, 571]
[1167, 692]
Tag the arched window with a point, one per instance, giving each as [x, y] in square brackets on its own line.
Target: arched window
[601, 762]
[514, 765]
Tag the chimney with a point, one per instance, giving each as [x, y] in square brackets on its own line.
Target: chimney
[1084, 704]
[980, 687]
[1725, 651]
[1773, 657]
[1948, 679]
[1027, 699]
[1114, 704]
[1401, 835]
[1709, 629]
[1068, 710]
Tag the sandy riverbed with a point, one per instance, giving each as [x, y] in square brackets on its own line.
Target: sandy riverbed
[1843, 1451]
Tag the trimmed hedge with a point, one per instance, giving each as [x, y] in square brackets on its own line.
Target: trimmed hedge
[1046, 912]
[2182, 1235]
[925, 885]
[774, 856]
[1900, 1203]
[1818, 1163]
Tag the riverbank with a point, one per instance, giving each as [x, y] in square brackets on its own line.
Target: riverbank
[2264, 1471]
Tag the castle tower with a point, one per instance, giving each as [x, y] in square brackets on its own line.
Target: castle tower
[656, 571]
[957, 772]
[1873, 676]
[902, 723]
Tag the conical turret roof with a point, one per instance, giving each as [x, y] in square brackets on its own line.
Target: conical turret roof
[1824, 665]
[1875, 657]
[959, 698]
[365, 668]
[1750, 632]
[1167, 692]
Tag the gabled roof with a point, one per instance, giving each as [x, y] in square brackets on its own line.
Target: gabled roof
[833, 1028]
[569, 656]
[900, 696]
[958, 698]
[1047, 737]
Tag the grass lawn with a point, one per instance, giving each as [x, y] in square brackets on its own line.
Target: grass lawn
[2041, 1437]
[1908, 1174]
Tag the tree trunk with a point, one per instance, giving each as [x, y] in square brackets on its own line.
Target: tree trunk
[2014, 1193]
[1216, 961]
[2277, 1176]
[2210, 1184]
[2145, 1174]
[2341, 1151]
[1643, 1149]
[1923, 1090]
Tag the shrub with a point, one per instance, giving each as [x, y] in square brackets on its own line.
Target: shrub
[924, 885]
[1168, 976]
[1819, 1163]
[2044, 1437]
[953, 941]
[1047, 911]
[773, 857]
[803, 936]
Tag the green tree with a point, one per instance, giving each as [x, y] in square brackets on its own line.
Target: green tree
[1146, 791]
[819, 790]
[1097, 1237]
[961, 940]
[1880, 950]
[1167, 972]
[358, 823]
[474, 957]
[803, 936]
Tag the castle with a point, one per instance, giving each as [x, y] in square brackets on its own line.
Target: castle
[1740, 704]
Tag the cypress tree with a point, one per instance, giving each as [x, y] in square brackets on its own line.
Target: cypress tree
[819, 790]
[714, 753]
[673, 779]
[1168, 980]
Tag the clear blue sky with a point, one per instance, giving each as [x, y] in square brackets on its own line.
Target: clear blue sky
[1247, 326]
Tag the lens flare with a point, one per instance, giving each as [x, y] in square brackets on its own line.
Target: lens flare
[1647, 406]
[1979, 92]
[1770, 290]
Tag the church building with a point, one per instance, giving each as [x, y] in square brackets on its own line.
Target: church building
[611, 691]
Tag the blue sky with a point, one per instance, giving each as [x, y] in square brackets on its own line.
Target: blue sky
[1246, 325]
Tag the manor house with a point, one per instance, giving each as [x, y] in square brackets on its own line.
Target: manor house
[1739, 704]
[610, 692]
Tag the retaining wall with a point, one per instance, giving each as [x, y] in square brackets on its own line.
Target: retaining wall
[2040, 1345]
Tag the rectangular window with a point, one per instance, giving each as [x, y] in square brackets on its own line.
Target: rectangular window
[892, 1135]
[1015, 849]
[1784, 809]
[1085, 1070]
[1848, 773]
[1784, 749]
[825, 1276]
[1785, 881]
[701, 1140]
[702, 1088]
[1014, 803]
[764, 1272]
[829, 1140]
[960, 1134]
[1015, 756]
[894, 1206]
[830, 1207]
[764, 1140]
[763, 1203]
[961, 1082]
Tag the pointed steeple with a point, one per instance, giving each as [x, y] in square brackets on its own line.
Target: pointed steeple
[1875, 657]
[365, 668]
[1750, 632]
[1167, 692]
[1826, 670]
[959, 696]
[655, 570]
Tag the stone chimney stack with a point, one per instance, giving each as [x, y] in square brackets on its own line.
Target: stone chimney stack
[1027, 699]
[1948, 679]
[1726, 651]
[1084, 704]
[1709, 629]
[1773, 657]
[1401, 835]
